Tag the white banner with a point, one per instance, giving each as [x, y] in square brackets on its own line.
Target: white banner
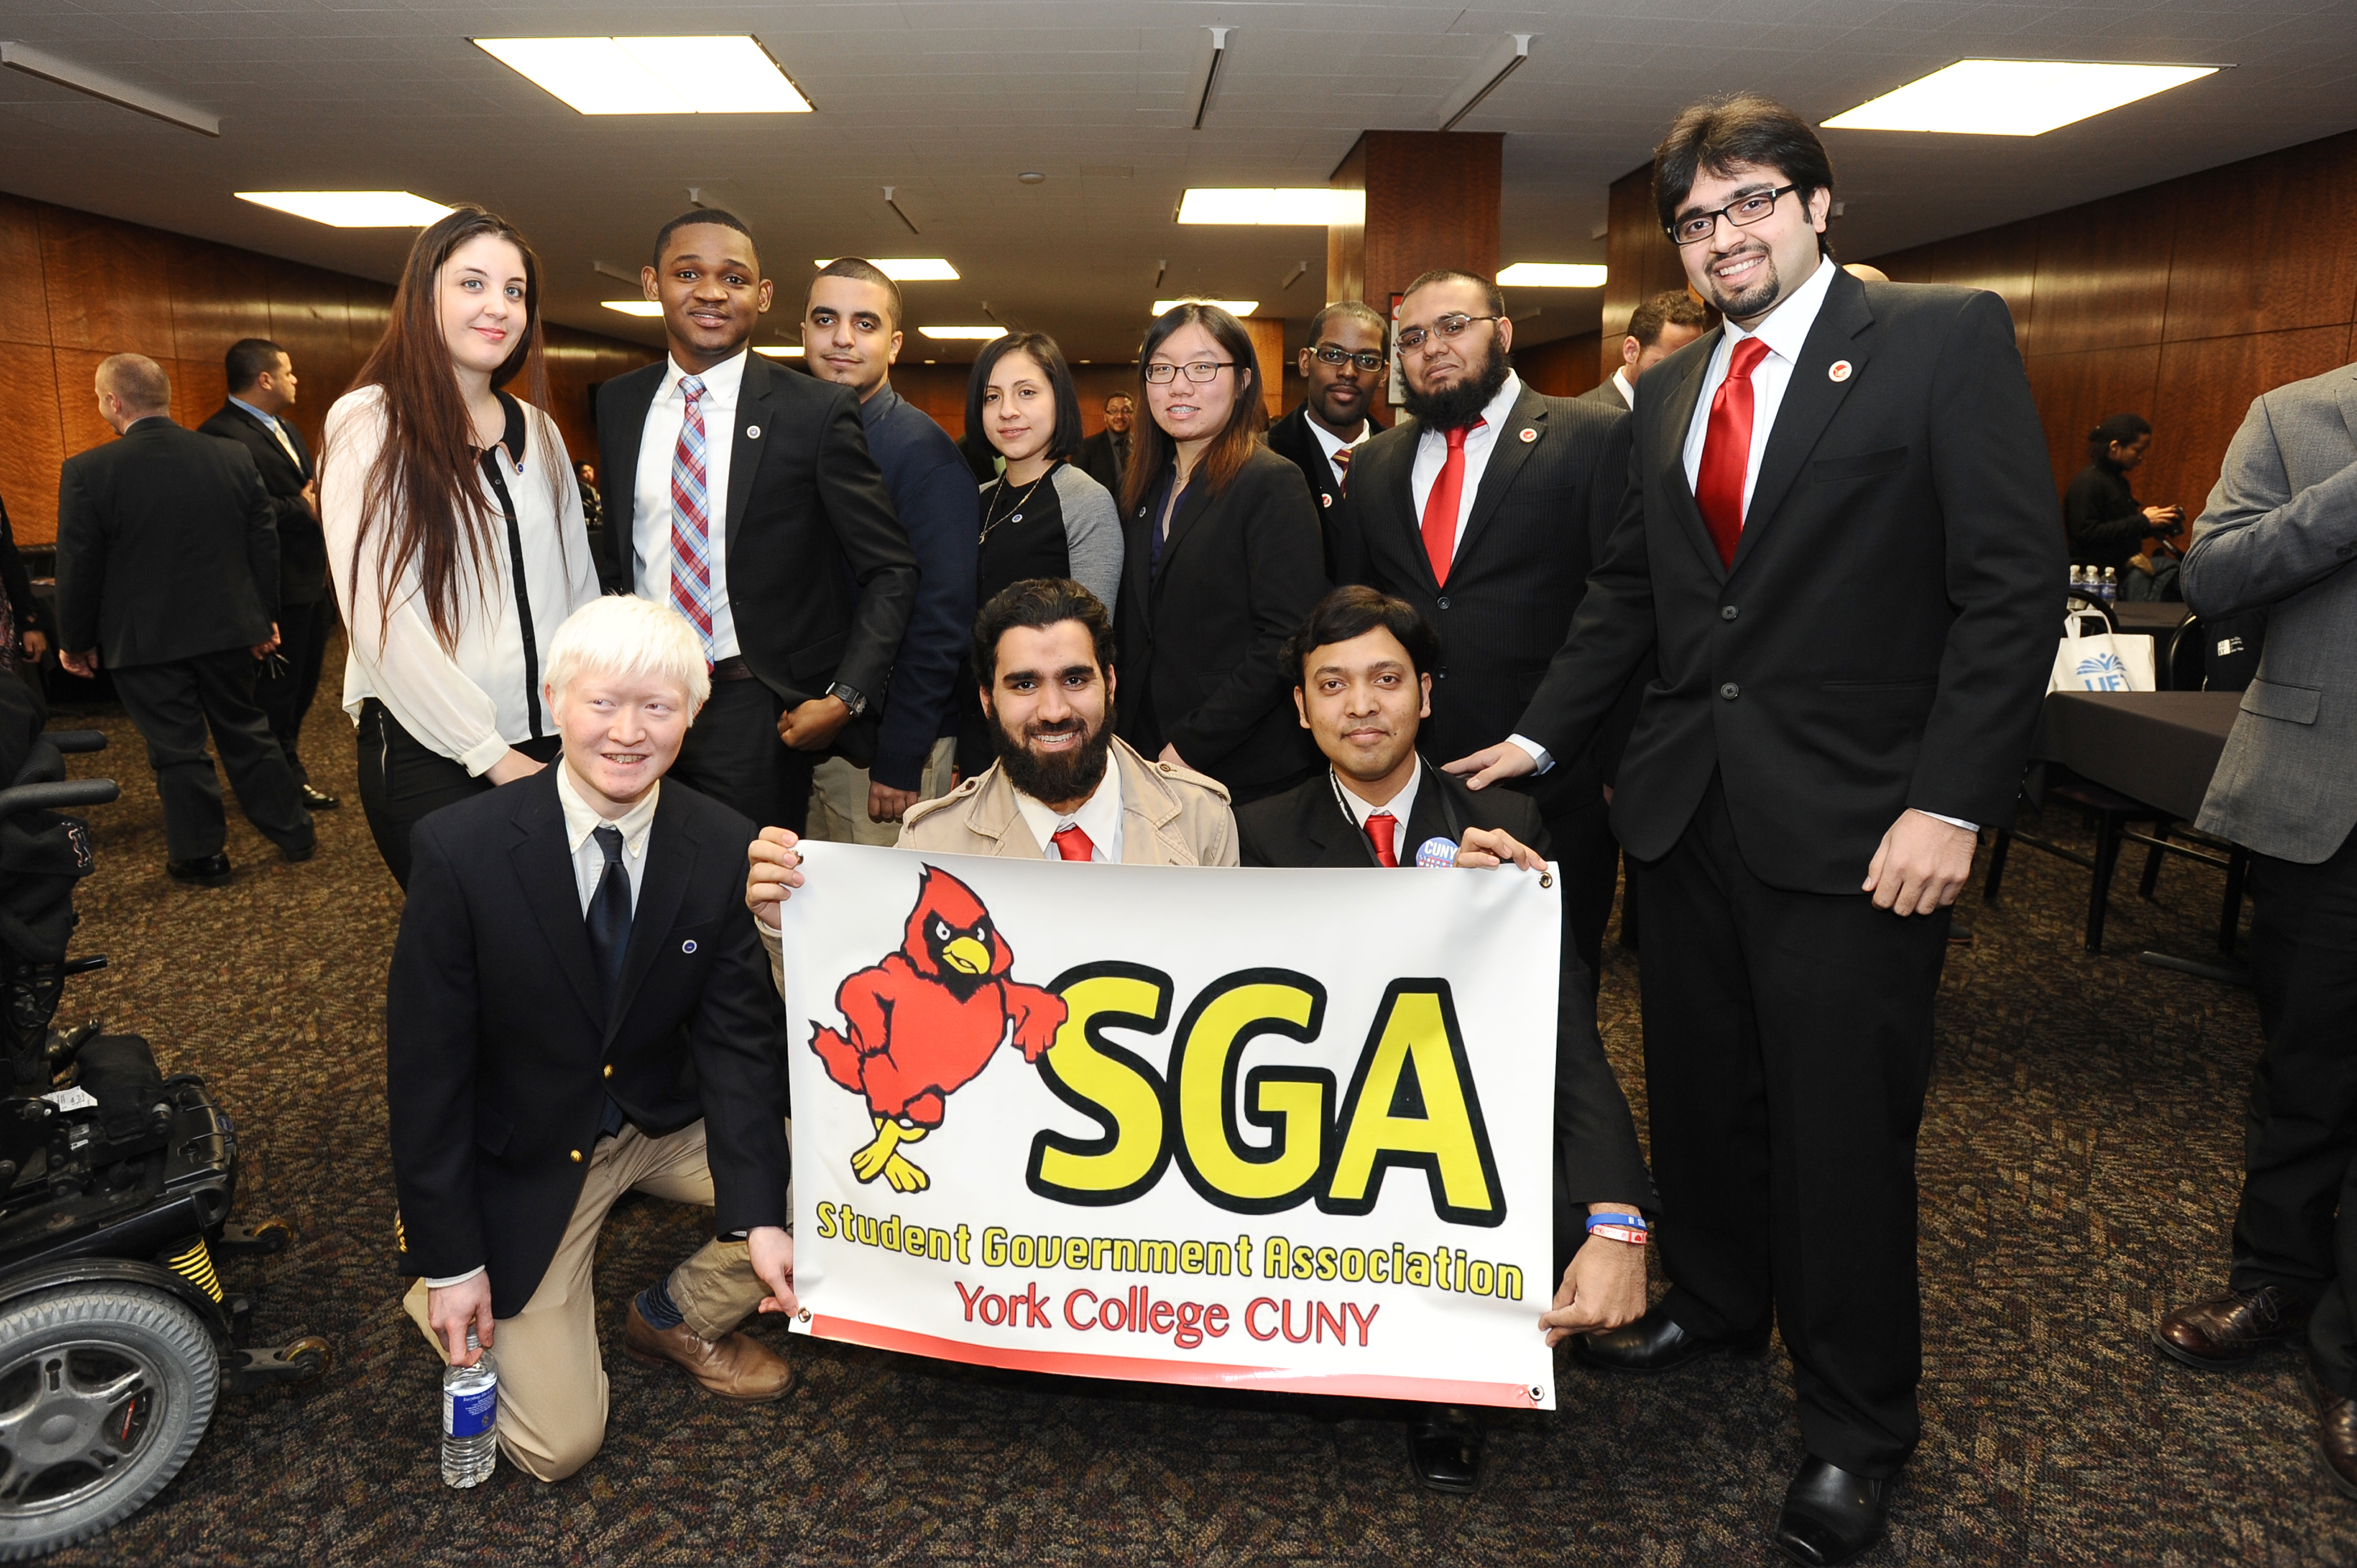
[1262, 1129]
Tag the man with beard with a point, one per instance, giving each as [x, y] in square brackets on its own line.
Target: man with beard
[1342, 368]
[1484, 510]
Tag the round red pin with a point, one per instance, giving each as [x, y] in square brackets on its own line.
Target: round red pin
[1839, 370]
[1530, 435]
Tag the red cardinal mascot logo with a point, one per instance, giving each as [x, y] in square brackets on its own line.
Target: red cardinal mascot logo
[922, 1024]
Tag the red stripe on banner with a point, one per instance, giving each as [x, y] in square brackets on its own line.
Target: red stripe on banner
[1145, 1370]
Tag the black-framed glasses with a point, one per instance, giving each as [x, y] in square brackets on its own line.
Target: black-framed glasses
[1162, 371]
[1447, 326]
[1365, 359]
[1743, 211]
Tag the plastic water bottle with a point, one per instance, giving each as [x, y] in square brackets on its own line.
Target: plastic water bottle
[2111, 585]
[2079, 581]
[470, 1419]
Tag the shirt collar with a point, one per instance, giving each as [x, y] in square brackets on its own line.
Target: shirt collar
[581, 819]
[1331, 443]
[1628, 390]
[1400, 805]
[1787, 326]
[269, 421]
[885, 401]
[1099, 815]
[720, 382]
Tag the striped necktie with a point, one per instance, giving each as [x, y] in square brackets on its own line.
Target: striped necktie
[691, 520]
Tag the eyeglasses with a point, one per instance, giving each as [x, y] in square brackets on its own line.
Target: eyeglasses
[1743, 211]
[1447, 327]
[1366, 359]
[1161, 371]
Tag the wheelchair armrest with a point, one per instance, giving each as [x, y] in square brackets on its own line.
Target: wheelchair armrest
[59, 795]
[76, 739]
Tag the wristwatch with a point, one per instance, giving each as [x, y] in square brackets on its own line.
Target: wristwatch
[850, 698]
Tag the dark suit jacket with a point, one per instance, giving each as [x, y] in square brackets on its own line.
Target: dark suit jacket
[1290, 438]
[807, 512]
[167, 548]
[498, 1053]
[302, 547]
[1883, 637]
[1542, 513]
[1597, 1157]
[1096, 460]
[23, 607]
[1199, 636]
[935, 495]
[1604, 394]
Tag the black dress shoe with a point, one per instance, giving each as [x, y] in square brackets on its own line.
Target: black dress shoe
[2338, 1418]
[317, 800]
[296, 856]
[1830, 1515]
[1444, 1450]
[204, 871]
[1655, 1343]
[2230, 1330]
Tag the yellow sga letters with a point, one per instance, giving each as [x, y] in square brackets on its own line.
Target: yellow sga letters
[1411, 1100]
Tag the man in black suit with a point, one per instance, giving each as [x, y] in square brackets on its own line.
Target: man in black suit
[1657, 329]
[1342, 370]
[1363, 666]
[168, 570]
[261, 390]
[743, 495]
[1105, 455]
[576, 1010]
[1842, 541]
[1484, 510]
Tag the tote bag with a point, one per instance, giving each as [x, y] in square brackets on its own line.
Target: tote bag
[2105, 662]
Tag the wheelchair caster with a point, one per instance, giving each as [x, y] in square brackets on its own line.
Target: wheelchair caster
[263, 1236]
[297, 1361]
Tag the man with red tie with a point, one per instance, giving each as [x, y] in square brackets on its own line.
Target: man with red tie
[1842, 545]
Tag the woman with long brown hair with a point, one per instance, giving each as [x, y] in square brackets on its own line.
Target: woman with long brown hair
[1223, 560]
[453, 531]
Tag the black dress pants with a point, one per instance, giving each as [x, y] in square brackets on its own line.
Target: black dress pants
[733, 754]
[403, 780]
[1788, 1047]
[304, 631]
[2296, 1226]
[1589, 858]
[172, 705]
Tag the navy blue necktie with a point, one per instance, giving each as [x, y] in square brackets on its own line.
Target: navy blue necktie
[609, 916]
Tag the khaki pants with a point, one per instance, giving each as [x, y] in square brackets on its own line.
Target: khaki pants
[551, 1375]
[838, 808]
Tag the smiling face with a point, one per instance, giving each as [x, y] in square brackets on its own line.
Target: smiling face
[1120, 414]
[1746, 272]
[1362, 700]
[621, 735]
[1192, 412]
[1051, 707]
[848, 334]
[483, 302]
[1018, 407]
[712, 292]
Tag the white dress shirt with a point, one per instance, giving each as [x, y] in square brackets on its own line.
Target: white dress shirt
[650, 518]
[471, 702]
[1402, 806]
[1330, 444]
[1099, 817]
[1620, 384]
[1432, 451]
[1784, 331]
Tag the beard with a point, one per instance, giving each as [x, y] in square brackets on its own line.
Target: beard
[1456, 406]
[1752, 302]
[1071, 775]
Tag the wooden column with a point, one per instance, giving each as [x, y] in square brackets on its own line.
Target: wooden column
[1640, 259]
[1432, 201]
[1268, 347]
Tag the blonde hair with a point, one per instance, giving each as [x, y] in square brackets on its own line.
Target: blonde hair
[622, 636]
[137, 383]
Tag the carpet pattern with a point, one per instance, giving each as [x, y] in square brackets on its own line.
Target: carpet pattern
[2079, 1164]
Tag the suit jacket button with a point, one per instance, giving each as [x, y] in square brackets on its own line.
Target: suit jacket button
[1444, 604]
[609, 1070]
[577, 1155]
[1730, 691]
[1728, 612]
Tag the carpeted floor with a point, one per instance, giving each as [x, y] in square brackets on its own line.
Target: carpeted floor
[2080, 1163]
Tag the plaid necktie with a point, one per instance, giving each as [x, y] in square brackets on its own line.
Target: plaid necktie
[690, 520]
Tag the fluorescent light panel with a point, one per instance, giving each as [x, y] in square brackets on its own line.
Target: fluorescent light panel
[963, 334]
[732, 75]
[1233, 306]
[1552, 275]
[351, 208]
[780, 350]
[906, 269]
[1315, 206]
[633, 307]
[2013, 97]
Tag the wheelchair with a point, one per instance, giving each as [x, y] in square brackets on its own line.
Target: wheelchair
[117, 1336]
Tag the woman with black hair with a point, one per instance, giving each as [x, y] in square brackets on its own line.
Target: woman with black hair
[2106, 524]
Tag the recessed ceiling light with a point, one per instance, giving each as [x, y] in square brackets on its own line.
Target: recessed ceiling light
[1316, 205]
[907, 269]
[1233, 306]
[1552, 275]
[968, 334]
[780, 350]
[2013, 97]
[352, 208]
[633, 307]
[654, 76]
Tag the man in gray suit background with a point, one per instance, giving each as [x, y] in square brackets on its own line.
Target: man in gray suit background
[2280, 534]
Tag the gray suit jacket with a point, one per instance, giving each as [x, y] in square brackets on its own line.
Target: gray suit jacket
[2280, 534]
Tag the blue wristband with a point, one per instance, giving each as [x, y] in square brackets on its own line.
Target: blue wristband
[1627, 1222]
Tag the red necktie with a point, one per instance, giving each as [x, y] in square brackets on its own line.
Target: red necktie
[1382, 825]
[1440, 507]
[1072, 843]
[1342, 469]
[1727, 451]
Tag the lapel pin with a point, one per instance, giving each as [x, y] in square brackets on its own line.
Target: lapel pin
[1529, 434]
[688, 946]
[753, 432]
[1325, 500]
[1838, 370]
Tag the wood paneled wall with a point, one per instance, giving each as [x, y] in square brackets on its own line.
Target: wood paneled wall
[1432, 201]
[76, 287]
[2182, 302]
[1640, 261]
[1565, 367]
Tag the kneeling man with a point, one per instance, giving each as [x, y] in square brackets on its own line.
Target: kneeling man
[576, 1010]
[1362, 681]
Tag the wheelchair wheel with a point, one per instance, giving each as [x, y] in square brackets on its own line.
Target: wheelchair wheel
[105, 1390]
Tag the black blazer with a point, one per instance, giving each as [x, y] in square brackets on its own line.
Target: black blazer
[1543, 510]
[1097, 459]
[302, 546]
[1884, 637]
[820, 574]
[167, 548]
[1604, 394]
[1200, 636]
[499, 1055]
[1595, 1143]
[1290, 438]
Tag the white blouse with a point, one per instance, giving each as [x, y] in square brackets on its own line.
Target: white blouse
[469, 703]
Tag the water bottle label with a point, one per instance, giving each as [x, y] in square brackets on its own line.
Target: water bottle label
[470, 1415]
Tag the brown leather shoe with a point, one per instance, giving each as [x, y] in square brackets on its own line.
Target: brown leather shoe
[2338, 1415]
[2232, 1330]
[738, 1366]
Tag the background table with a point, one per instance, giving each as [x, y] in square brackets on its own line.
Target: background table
[2160, 747]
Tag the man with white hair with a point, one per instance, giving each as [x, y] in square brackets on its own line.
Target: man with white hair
[576, 1010]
